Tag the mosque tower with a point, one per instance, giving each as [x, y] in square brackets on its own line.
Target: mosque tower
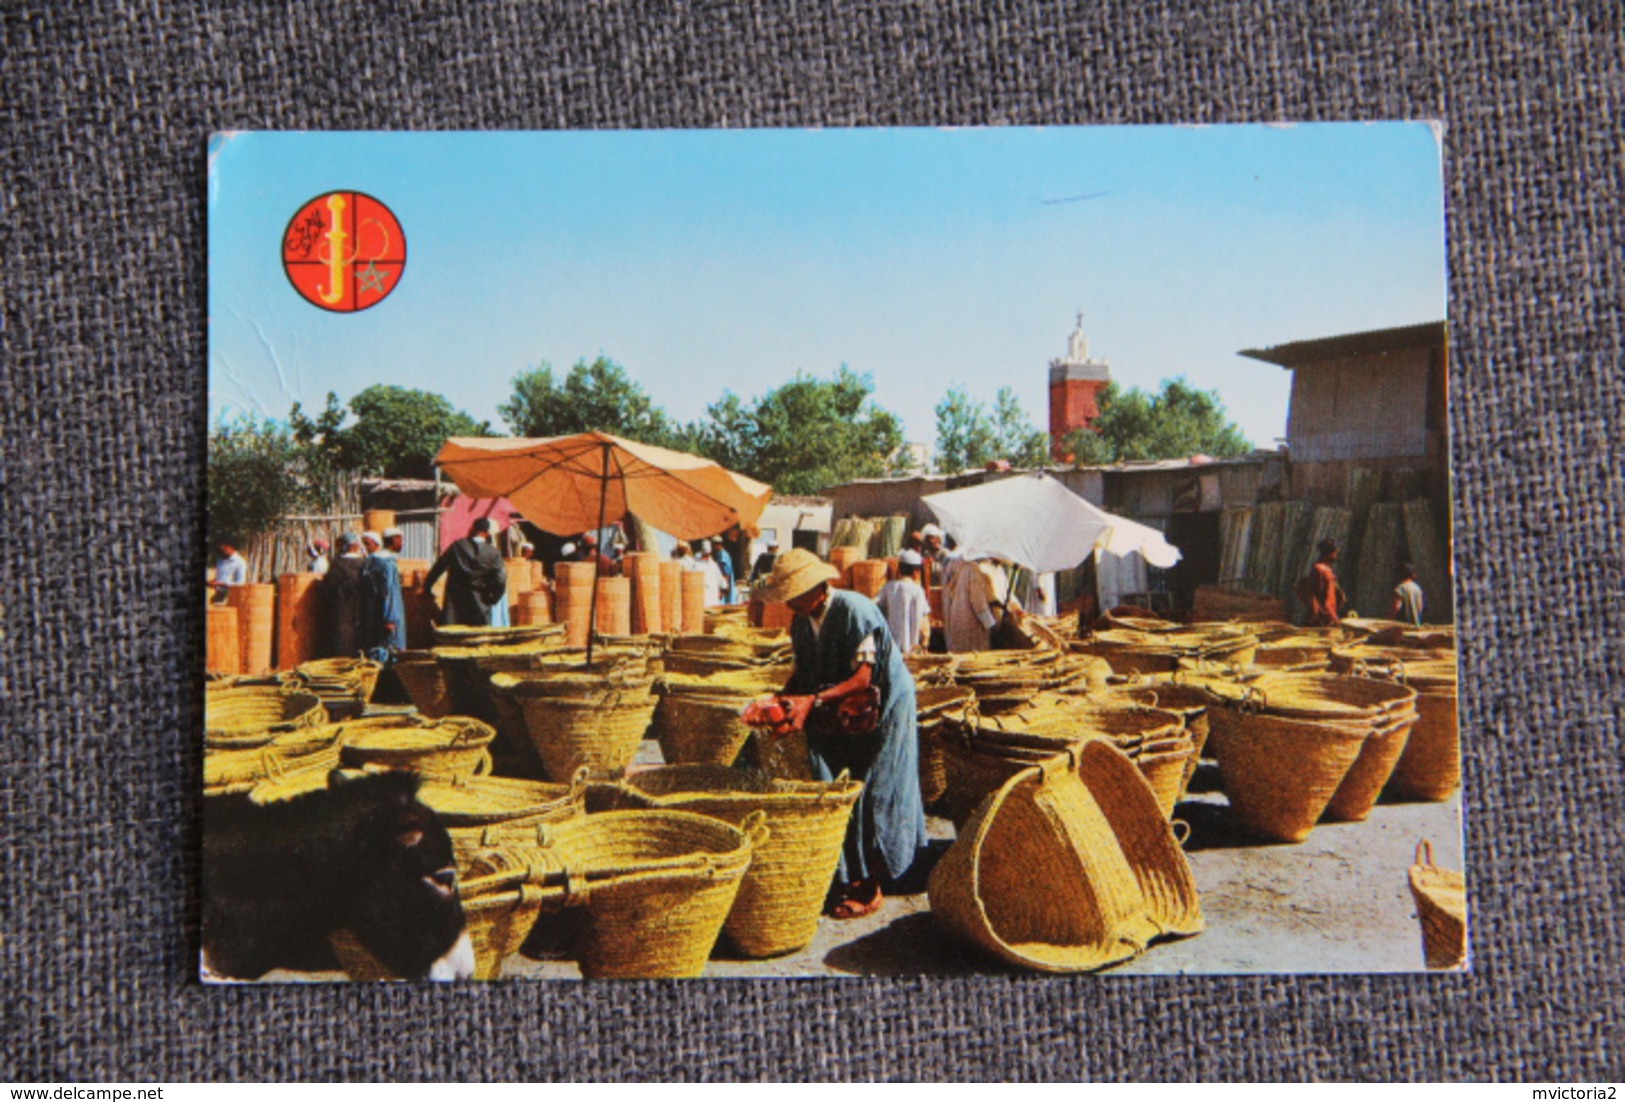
[1074, 383]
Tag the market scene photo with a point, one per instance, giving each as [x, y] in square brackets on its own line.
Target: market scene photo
[767, 554]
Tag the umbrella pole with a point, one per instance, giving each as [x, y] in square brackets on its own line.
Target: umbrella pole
[592, 615]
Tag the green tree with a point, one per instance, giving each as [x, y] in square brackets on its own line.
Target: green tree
[804, 436]
[255, 475]
[396, 433]
[1178, 421]
[969, 435]
[593, 397]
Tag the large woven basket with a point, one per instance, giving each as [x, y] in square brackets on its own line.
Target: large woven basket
[1280, 773]
[232, 771]
[424, 679]
[461, 635]
[1441, 908]
[1332, 697]
[237, 718]
[978, 760]
[652, 888]
[577, 721]
[1067, 870]
[935, 705]
[1357, 794]
[340, 678]
[784, 889]
[455, 746]
[1430, 767]
[1164, 764]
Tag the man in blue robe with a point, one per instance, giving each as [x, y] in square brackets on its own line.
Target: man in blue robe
[842, 647]
[383, 608]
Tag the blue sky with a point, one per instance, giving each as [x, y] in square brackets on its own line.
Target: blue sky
[712, 261]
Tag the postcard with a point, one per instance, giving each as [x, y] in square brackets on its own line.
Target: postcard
[865, 552]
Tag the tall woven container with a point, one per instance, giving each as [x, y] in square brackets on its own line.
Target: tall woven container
[256, 625]
[518, 573]
[691, 584]
[868, 577]
[297, 610]
[1278, 773]
[1360, 787]
[671, 597]
[842, 558]
[534, 607]
[1164, 764]
[615, 606]
[1061, 874]
[424, 679]
[224, 641]
[376, 520]
[582, 720]
[572, 600]
[1430, 767]
[783, 892]
[648, 614]
[1441, 907]
[655, 889]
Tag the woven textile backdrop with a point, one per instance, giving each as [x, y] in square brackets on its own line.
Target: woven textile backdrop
[107, 108]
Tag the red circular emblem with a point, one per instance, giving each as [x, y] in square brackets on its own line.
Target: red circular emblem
[344, 251]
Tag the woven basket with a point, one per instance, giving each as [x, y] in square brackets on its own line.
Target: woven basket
[1430, 767]
[338, 677]
[1360, 787]
[932, 669]
[1332, 698]
[977, 761]
[425, 682]
[237, 718]
[230, 772]
[697, 718]
[1280, 773]
[652, 888]
[576, 722]
[1062, 874]
[453, 747]
[783, 891]
[1441, 908]
[462, 635]
[935, 705]
[1164, 764]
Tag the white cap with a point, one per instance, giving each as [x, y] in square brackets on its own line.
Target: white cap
[931, 530]
[391, 533]
[371, 537]
[568, 549]
[910, 558]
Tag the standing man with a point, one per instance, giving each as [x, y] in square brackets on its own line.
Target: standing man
[716, 585]
[1319, 591]
[764, 562]
[476, 577]
[903, 602]
[1407, 606]
[230, 570]
[725, 563]
[844, 649]
[394, 542]
[341, 595]
[383, 609]
[968, 607]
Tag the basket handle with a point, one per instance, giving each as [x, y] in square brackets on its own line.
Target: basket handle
[1424, 853]
[1175, 825]
[756, 829]
[483, 767]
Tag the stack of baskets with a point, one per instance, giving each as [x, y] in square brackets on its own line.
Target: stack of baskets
[1294, 747]
[697, 719]
[1067, 868]
[241, 718]
[783, 891]
[1005, 680]
[936, 705]
[1430, 767]
[699, 655]
[345, 685]
[230, 771]
[1161, 652]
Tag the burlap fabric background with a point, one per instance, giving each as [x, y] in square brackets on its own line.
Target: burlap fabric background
[106, 112]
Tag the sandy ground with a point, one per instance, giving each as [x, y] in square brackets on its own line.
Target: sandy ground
[1337, 902]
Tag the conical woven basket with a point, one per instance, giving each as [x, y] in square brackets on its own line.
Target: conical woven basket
[1280, 773]
[1357, 794]
[1441, 908]
[1047, 877]
[243, 717]
[1430, 767]
[672, 877]
[582, 721]
[452, 747]
[783, 891]
[425, 682]
[1163, 764]
[697, 719]
[935, 705]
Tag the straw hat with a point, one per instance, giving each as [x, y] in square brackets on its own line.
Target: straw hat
[797, 571]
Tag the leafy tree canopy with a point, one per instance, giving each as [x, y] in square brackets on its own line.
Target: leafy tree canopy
[970, 435]
[254, 477]
[803, 436]
[396, 433]
[1179, 421]
[594, 397]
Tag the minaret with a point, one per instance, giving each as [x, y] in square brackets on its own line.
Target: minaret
[1074, 383]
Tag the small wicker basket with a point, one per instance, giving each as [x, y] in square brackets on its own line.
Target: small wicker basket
[1441, 908]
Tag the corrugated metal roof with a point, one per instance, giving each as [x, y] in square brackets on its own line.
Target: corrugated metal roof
[1372, 342]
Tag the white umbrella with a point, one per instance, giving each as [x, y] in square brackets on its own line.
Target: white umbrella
[1036, 522]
